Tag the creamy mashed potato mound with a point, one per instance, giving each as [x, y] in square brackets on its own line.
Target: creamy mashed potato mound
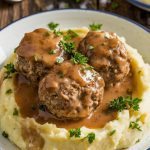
[49, 137]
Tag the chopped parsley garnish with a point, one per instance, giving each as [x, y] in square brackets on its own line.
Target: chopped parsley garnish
[135, 125]
[5, 135]
[59, 60]
[90, 137]
[70, 34]
[75, 132]
[67, 46]
[42, 107]
[114, 5]
[9, 91]
[111, 132]
[15, 113]
[122, 103]
[91, 47]
[138, 141]
[58, 32]
[52, 25]
[9, 70]
[51, 52]
[95, 26]
[78, 58]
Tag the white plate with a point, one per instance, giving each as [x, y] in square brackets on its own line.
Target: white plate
[135, 35]
[141, 4]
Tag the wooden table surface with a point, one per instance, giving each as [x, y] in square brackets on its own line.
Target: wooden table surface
[12, 12]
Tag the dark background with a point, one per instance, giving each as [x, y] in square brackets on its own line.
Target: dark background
[12, 12]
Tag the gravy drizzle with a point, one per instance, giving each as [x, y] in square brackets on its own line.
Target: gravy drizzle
[26, 96]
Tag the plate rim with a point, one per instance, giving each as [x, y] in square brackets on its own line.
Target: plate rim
[140, 4]
[92, 10]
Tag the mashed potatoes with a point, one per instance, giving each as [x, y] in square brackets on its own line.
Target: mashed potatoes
[27, 134]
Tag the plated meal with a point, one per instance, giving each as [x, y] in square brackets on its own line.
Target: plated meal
[81, 88]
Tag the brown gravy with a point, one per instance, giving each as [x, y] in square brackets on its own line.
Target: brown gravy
[26, 96]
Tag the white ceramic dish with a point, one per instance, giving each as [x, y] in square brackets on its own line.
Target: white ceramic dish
[135, 35]
[141, 4]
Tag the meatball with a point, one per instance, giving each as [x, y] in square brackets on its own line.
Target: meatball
[107, 54]
[37, 53]
[71, 91]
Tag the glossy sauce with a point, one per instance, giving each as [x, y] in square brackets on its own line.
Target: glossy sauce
[26, 96]
[37, 44]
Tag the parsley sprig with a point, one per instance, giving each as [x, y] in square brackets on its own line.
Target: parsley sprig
[95, 26]
[111, 132]
[70, 34]
[90, 137]
[9, 91]
[67, 46]
[15, 112]
[58, 32]
[52, 25]
[135, 125]
[75, 132]
[76, 57]
[122, 103]
[10, 69]
[5, 134]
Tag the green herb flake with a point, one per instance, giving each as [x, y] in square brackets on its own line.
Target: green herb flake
[5, 134]
[16, 112]
[9, 91]
[67, 46]
[75, 132]
[111, 132]
[51, 52]
[10, 69]
[52, 25]
[59, 60]
[114, 5]
[58, 32]
[78, 58]
[70, 34]
[135, 125]
[91, 137]
[95, 26]
[122, 103]
[138, 141]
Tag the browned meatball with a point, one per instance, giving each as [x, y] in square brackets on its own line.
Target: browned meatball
[107, 54]
[71, 91]
[37, 52]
